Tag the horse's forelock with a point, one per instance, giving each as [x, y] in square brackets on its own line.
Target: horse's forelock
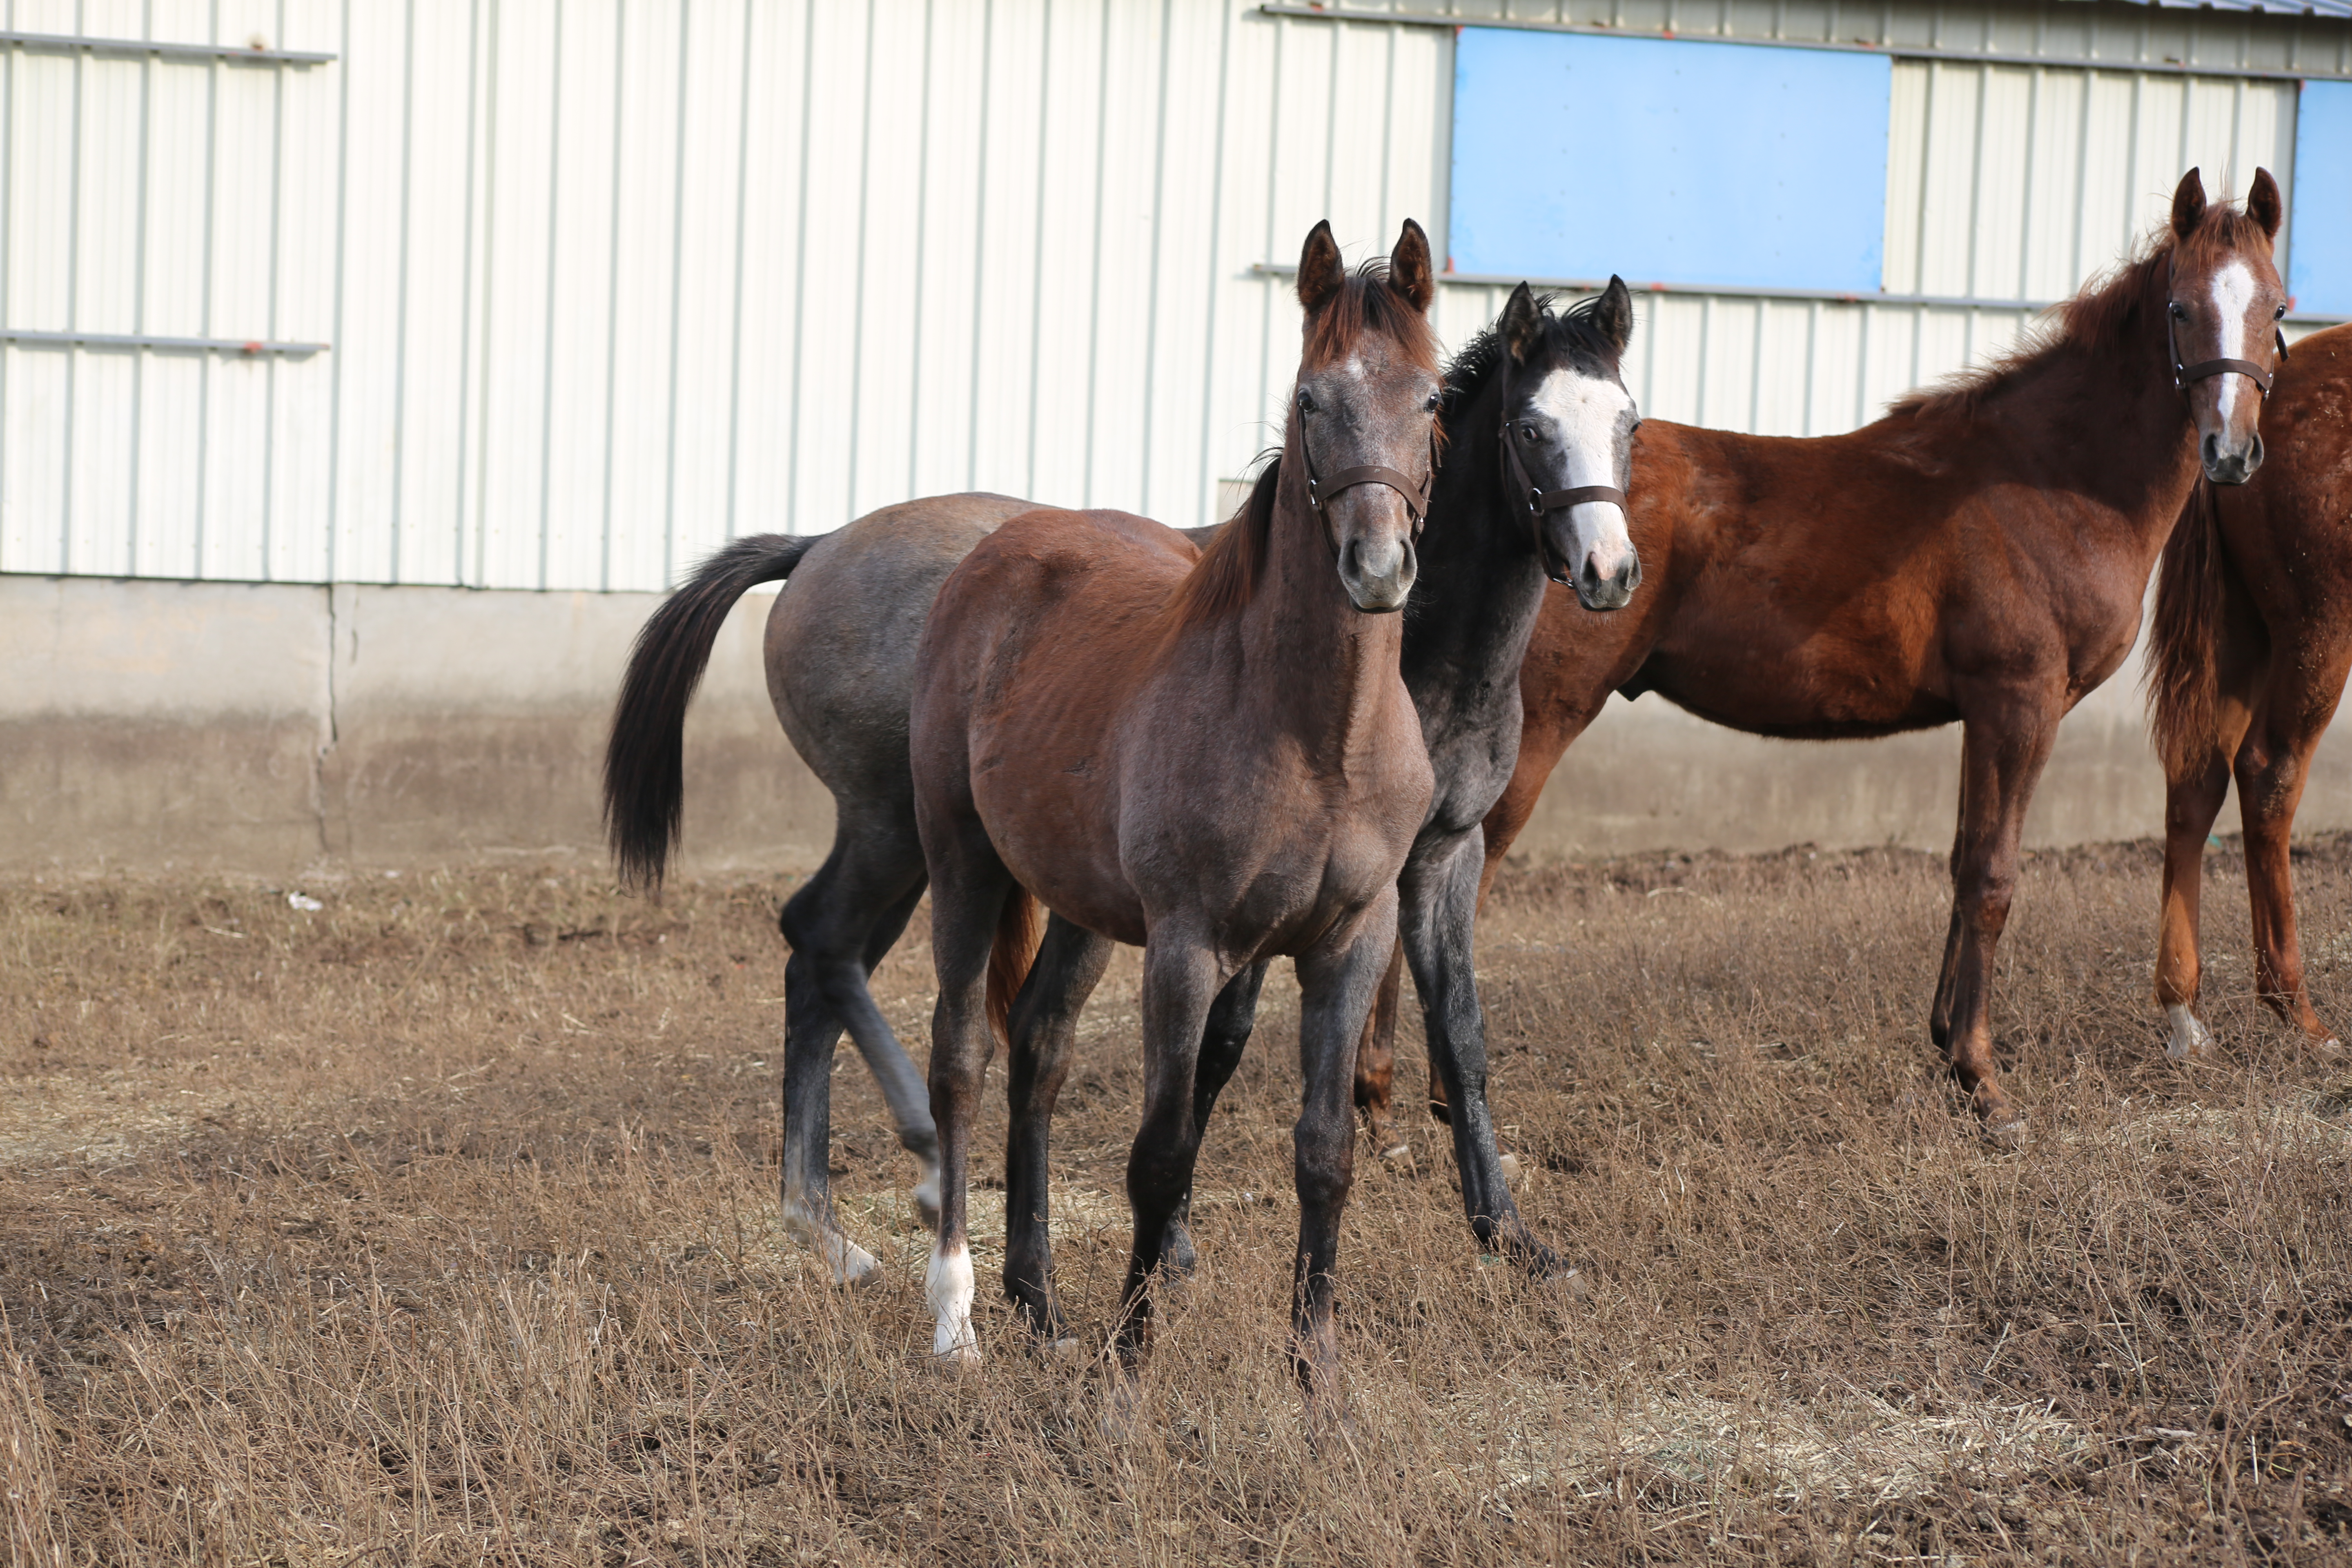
[1572, 334]
[1367, 304]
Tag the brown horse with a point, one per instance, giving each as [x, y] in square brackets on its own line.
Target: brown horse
[1218, 761]
[2252, 636]
[1980, 553]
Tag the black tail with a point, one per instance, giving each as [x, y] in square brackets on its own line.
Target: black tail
[644, 782]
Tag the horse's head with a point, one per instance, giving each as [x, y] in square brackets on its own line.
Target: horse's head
[1568, 438]
[1363, 415]
[2222, 316]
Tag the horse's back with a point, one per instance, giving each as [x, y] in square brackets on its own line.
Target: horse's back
[841, 640]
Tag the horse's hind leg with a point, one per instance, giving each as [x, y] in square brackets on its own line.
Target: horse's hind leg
[2001, 761]
[969, 889]
[1376, 1060]
[839, 925]
[1043, 1028]
[2192, 799]
[2272, 765]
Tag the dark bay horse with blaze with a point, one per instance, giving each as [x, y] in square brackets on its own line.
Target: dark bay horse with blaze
[1981, 554]
[2252, 640]
[1212, 756]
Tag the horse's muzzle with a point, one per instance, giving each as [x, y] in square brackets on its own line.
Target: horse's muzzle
[1379, 575]
[1609, 589]
[2231, 468]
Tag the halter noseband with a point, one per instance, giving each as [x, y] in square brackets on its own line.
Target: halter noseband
[1537, 499]
[2182, 374]
[1416, 496]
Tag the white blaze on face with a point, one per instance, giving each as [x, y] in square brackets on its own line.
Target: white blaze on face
[947, 1286]
[1586, 414]
[2233, 291]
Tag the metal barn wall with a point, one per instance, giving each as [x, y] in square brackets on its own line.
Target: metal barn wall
[603, 283]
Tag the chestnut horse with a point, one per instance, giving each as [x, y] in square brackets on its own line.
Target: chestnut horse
[1213, 756]
[1980, 553]
[2252, 636]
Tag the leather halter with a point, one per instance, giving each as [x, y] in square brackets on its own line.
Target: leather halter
[1534, 496]
[2182, 374]
[1416, 496]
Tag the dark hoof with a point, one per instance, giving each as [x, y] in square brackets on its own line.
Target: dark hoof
[2002, 1122]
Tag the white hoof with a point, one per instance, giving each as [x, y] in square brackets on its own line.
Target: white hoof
[927, 1197]
[947, 1286]
[2188, 1037]
[1511, 1168]
[848, 1263]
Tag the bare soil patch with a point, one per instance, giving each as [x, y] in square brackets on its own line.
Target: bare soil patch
[433, 1226]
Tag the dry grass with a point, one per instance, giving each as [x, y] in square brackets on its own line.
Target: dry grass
[433, 1226]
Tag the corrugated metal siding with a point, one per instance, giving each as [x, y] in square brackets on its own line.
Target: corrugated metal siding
[607, 283]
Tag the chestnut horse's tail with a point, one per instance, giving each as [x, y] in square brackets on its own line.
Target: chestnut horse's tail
[2182, 683]
[1017, 934]
[645, 780]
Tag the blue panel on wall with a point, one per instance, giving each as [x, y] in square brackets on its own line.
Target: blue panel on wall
[1669, 161]
[2319, 220]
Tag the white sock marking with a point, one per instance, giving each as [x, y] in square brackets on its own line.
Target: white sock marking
[947, 1286]
[2188, 1036]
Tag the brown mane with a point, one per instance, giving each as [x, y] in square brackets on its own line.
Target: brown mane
[1226, 578]
[2100, 320]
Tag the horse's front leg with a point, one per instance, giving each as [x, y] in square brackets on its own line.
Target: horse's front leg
[1437, 916]
[2192, 798]
[1181, 977]
[1230, 1018]
[1042, 1028]
[2001, 758]
[1337, 981]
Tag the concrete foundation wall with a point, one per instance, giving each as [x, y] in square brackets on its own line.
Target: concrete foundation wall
[270, 729]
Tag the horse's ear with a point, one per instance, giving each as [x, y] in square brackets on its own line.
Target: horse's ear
[1409, 273]
[2188, 205]
[1614, 314]
[1321, 273]
[1521, 325]
[2262, 204]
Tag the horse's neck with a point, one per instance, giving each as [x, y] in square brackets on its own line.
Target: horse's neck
[1482, 584]
[1324, 669]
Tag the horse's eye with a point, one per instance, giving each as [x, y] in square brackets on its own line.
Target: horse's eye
[1430, 407]
[2177, 314]
[1306, 401]
[2279, 314]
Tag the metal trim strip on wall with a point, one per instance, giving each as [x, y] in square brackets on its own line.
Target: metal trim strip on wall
[1898, 51]
[169, 51]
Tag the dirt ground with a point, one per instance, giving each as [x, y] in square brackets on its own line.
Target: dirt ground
[433, 1225]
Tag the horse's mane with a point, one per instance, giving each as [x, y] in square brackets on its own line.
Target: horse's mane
[1226, 577]
[2098, 322]
[1571, 331]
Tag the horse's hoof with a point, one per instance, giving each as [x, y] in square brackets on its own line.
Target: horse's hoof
[1511, 1168]
[2190, 1038]
[956, 1360]
[2001, 1122]
[927, 1200]
[1120, 1408]
[1068, 1349]
[1398, 1153]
